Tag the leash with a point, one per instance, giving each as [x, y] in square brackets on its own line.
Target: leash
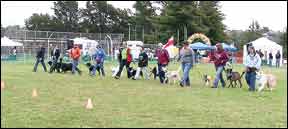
[242, 74]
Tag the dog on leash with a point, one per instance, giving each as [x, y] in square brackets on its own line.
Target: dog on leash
[207, 80]
[233, 76]
[154, 71]
[114, 71]
[132, 72]
[172, 75]
[267, 80]
[91, 67]
[65, 66]
[57, 66]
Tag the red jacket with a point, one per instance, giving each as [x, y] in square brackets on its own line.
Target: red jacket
[219, 57]
[163, 57]
[75, 53]
[129, 57]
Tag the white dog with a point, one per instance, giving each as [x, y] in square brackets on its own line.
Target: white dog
[263, 80]
[172, 75]
[114, 70]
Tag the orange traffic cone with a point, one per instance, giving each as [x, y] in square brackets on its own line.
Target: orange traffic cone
[34, 93]
[89, 104]
[2, 85]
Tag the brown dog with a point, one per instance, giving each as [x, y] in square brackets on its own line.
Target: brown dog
[233, 77]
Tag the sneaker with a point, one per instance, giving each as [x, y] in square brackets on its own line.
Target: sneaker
[116, 77]
[133, 78]
[213, 87]
[181, 85]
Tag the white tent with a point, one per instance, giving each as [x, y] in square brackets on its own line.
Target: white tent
[6, 42]
[135, 47]
[88, 46]
[266, 47]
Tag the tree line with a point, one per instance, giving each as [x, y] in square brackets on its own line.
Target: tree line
[149, 23]
[177, 18]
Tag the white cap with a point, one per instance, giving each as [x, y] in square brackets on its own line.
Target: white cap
[160, 44]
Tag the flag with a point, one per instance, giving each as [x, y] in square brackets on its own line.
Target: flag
[169, 43]
[169, 46]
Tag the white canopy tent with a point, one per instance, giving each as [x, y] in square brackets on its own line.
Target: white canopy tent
[9, 43]
[88, 46]
[6, 42]
[266, 47]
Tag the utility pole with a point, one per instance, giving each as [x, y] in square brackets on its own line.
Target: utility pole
[143, 34]
[135, 32]
[129, 30]
[185, 32]
[178, 36]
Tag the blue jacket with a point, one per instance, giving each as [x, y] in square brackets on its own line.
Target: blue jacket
[100, 55]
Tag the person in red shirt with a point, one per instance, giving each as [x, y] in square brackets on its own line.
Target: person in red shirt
[75, 54]
[125, 59]
[163, 61]
[220, 57]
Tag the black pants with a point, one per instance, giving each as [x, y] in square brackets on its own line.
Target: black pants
[161, 72]
[122, 64]
[41, 60]
[54, 63]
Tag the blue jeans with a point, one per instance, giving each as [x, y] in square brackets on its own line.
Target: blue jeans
[186, 69]
[101, 67]
[277, 63]
[270, 62]
[219, 76]
[37, 62]
[250, 79]
[74, 65]
[161, 72]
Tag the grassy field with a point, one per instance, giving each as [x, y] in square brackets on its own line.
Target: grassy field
[128, 103]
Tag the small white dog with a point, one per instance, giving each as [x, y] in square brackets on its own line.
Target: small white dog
[263, 80]
[172, 75]
[114, 70]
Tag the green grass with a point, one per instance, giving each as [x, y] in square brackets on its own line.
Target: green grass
[129, 103]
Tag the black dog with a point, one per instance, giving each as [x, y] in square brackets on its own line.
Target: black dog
[57, 66]
[91, 67]
[154, 72]
[132, 72]
[67, 67]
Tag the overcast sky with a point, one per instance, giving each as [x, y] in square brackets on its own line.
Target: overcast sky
[238, 14]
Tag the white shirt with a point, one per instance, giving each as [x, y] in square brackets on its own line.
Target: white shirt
[253, 61]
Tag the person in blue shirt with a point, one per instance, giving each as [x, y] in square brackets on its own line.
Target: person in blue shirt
[99, 58]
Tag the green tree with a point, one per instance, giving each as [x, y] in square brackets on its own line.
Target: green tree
[144, 13]
[67, 13]
[179, 17]
[254, 31]
[42, 22]
[211, 19]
